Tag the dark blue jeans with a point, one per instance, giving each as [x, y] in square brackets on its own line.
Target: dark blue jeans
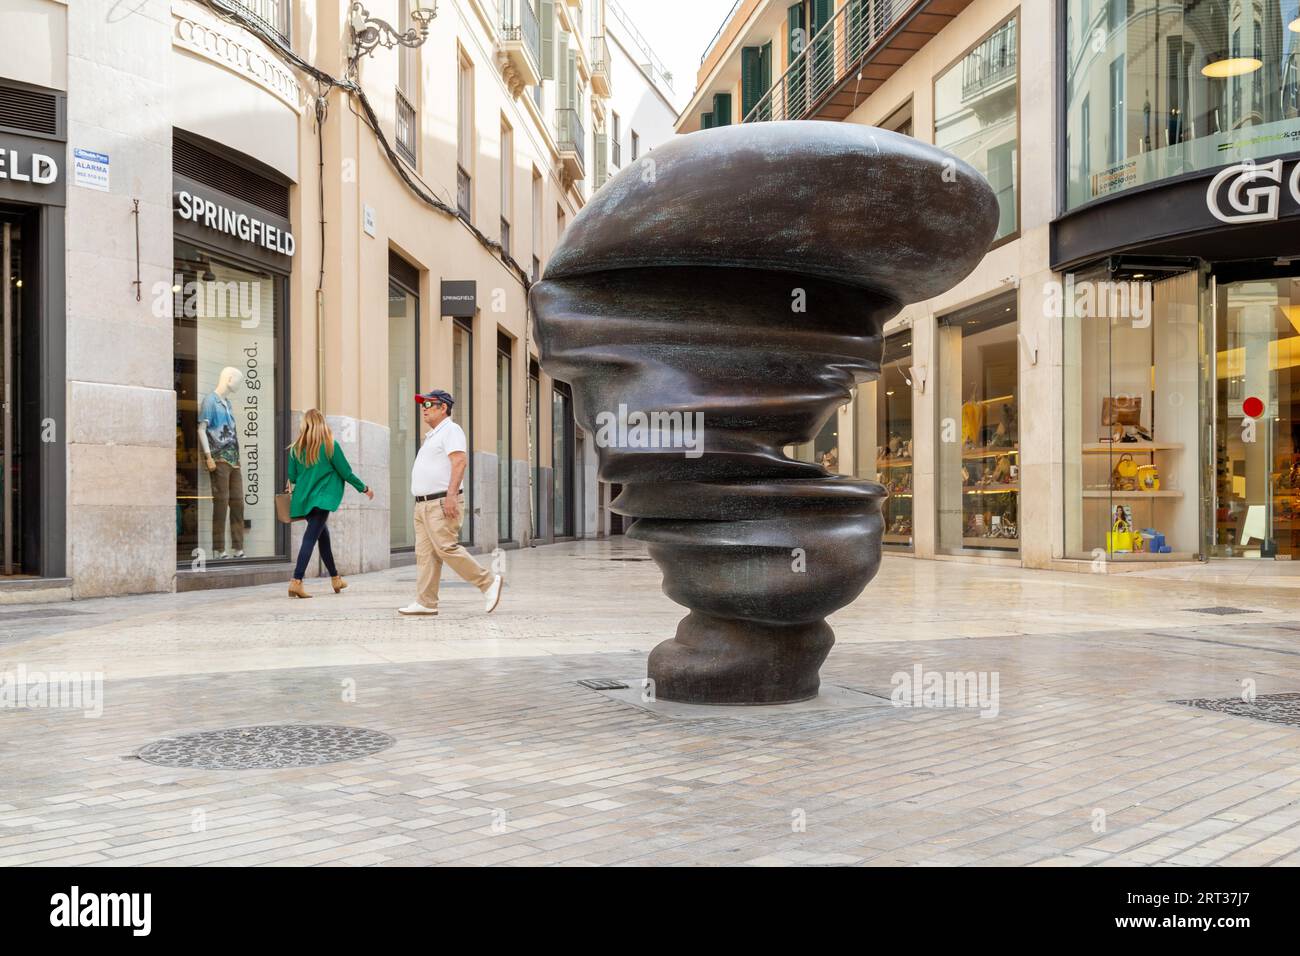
[316, 531]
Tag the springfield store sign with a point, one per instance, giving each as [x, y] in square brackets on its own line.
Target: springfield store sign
[28, 168]
[242, 226]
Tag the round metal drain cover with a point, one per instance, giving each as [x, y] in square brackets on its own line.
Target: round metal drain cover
[266, 747]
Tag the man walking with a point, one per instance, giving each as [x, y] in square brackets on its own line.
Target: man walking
[439, 511]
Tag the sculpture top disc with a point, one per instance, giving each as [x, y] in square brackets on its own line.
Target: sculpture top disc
[848, 203]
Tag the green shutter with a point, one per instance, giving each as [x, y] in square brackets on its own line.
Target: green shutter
[750, 81]
[765, 74]
[548, 39]
[794, 23]
[721, 109]
[796, 93]
[706, 121]
[823, 54]
[562, 71]
[572, 56]
[602, 159]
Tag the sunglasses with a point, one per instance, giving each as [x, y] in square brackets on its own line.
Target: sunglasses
[430, 403]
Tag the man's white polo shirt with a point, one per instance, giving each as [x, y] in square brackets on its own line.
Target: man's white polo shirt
[432, 471]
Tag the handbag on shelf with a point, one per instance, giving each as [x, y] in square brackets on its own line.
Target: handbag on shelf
[1121, 410]
[1120, 537]
[1148, 478]
[1124, 476]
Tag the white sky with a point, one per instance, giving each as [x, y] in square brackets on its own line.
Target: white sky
[678, 31]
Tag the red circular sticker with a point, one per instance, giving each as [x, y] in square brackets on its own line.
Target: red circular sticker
[1252, 407]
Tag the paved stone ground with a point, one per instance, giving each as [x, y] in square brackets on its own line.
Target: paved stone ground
[501, 757]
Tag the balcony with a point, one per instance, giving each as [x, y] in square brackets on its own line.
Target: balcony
[570, 139]
[990, 65]
[271, 15]
[520, 50]
[861, 46]
[600, 66]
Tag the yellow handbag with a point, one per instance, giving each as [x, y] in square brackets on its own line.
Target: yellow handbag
[1124, 476]
[1119, 540]
[1148, 478]
[972, 421]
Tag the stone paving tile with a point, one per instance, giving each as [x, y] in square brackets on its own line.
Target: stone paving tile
[501, 759]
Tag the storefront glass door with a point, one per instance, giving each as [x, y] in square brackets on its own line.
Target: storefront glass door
[1256, 453]
[11, 281]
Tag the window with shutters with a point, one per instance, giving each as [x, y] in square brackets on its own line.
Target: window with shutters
[537, 224]
[507, 183]
[822, 62]
[465, 136]
[706, 121]
[602, 158]
[548, 39]
[796, 81]
[721, 109]
[755, 80]
[616, 140]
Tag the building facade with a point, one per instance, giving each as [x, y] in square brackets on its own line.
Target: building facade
[1111, 388]
[220, 213]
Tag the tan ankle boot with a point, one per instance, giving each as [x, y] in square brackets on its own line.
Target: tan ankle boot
[339, 583]
[296, 589]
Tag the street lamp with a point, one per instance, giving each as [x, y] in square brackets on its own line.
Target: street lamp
[369, 32]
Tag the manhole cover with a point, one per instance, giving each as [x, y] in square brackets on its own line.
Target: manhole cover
[1274, 708]
[267, 747]
[1220, 610]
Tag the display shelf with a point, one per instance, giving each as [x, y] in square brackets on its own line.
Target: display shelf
[893, 463]
[1110, 447]
[1130, 495]
[990, 489]
[1006, 544]
[971, 454]
[896, 539]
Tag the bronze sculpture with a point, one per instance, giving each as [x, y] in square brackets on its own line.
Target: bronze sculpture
[742, 275]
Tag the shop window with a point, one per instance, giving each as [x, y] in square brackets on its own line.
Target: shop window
[404, 420]
[885, 436]
[976, 106]
[1214, 84]
[505, 464]
[978, 424]
[1256, 480]
[562, 460]
[462, 390]
[1132, 414]
[534, 446]
[229, 442]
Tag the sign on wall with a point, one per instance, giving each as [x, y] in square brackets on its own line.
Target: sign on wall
[459, 298]
[90, 169]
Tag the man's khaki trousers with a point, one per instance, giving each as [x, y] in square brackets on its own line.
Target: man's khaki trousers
[437, 541]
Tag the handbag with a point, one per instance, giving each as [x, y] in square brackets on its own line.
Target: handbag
[1124, 476]
[1121, 410]
[283, 505]
[1148, 478]
[1120, 537]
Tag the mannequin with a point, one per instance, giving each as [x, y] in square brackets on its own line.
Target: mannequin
[219, 440]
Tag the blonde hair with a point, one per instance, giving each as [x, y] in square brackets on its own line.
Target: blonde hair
[313, 433]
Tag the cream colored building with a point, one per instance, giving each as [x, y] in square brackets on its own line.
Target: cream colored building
[1112, 388]
[241, 185]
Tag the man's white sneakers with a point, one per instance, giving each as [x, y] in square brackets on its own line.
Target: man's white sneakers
[415, 607]
[493, 593]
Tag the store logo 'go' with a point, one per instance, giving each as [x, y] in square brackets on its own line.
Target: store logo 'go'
[1258, 203]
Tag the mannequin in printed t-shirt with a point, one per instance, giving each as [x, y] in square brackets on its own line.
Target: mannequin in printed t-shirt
[219, 440]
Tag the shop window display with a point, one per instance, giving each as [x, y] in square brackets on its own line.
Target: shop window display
[978, 453]
[1256, 454]
[227, 434]
[1132, 402]
[885, 434]
[403, 413]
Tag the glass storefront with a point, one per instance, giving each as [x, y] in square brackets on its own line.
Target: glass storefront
[462, 413]
[885, 437]
[504, 464]
[535, 447]
[562, 460]
[1256, 449]
[977, 116]
[403, 413]
[977, 417]
[1157, 89]
[1133, 414]
[229, 444]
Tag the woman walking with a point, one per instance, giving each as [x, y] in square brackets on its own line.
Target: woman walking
[317, 470]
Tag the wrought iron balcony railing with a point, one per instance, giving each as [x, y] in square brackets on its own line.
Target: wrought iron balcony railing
[993, 61]
[272, 15]
[600, 58]
[569, 134]
[831, 55]
[519, 22]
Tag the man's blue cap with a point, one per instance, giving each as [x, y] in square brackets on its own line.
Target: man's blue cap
[437, 395]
